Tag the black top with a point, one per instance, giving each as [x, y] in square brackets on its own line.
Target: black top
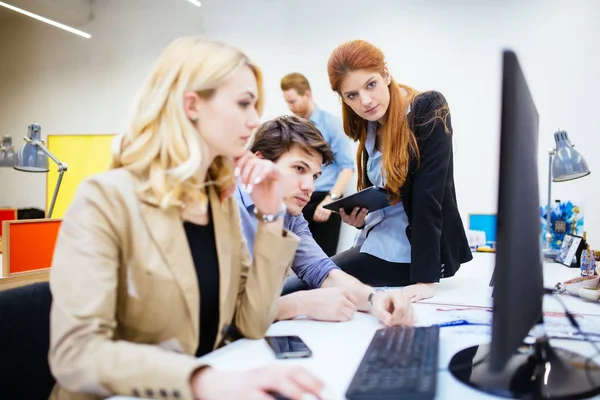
[435, 230]
[201, 239]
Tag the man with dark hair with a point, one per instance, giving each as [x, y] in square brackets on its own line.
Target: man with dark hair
[297, 147]
[324, 225]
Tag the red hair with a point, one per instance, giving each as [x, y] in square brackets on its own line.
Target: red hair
[399, 140]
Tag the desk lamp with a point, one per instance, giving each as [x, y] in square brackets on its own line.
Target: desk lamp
[564, 164]
[7, 152]
[33, 157]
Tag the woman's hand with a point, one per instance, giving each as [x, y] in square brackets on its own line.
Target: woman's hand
[356, 218]
[290, 381]
[263, 180]
[419, 291]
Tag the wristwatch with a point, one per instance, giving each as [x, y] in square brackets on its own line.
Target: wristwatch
[377, 290]
[333, 196]
[267, 218]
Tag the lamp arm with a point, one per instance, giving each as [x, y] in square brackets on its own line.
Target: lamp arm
[61, 166]
[548, 212]
[61, 172]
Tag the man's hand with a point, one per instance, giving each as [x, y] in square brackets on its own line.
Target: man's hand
[322, 214]
[393, 308]
[327, 304]
[419, 291]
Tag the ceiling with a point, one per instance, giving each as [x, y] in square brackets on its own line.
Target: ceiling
[69, 12]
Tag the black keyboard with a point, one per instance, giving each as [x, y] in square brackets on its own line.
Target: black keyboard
[400, 363]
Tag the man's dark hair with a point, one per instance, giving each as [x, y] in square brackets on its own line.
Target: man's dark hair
[276, 137]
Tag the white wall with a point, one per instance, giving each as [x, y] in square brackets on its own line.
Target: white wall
[70, 85]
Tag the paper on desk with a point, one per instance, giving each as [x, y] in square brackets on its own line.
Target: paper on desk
[556, 324]
[473, 315]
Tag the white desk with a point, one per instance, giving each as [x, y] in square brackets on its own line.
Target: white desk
[470, 286]
[335, 363]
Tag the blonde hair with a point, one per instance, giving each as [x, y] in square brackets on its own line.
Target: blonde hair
[163, 146]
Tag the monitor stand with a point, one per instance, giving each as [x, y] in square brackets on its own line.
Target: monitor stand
[537, 371]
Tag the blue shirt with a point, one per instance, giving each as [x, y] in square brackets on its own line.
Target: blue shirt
[311, 264]
[331, 128]
[384, 233]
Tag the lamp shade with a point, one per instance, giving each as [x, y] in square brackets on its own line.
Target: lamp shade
[30, 157]
[567, 164]
[7, 152]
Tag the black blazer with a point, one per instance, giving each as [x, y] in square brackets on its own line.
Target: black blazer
[435, 230]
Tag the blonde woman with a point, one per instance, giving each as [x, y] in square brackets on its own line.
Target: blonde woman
[150, 268]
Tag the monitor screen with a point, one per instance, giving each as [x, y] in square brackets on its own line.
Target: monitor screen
[518, 279]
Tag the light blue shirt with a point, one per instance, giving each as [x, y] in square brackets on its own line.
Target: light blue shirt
[384, 233]
[311, 264]
[331, 128]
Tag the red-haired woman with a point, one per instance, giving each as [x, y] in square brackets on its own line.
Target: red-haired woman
[405, 146]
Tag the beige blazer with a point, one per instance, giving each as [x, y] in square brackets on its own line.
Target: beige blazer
[125, 312]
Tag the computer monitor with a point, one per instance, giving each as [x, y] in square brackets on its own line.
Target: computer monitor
[519, 282]
[507, 367]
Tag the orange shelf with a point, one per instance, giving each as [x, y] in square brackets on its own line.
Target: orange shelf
[28, 245]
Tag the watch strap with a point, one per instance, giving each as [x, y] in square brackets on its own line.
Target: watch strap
[268, 218]
[377, 290]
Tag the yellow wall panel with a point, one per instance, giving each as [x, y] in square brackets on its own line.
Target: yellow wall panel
[84, 155]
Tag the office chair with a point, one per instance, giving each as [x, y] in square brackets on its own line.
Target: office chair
[24, 342]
